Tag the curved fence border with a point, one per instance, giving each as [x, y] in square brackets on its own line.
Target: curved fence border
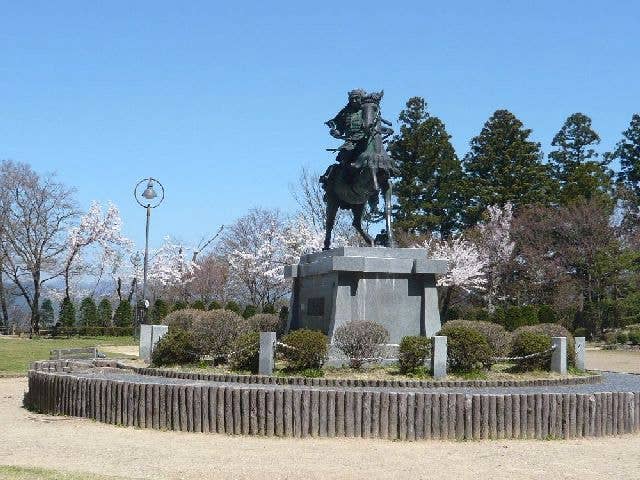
[281, 411]
[333, 382]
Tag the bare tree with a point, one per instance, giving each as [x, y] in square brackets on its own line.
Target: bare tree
[36, 214]
[211, 280]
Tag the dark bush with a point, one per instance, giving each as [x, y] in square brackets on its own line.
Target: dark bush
[175, 348]
[198, 305]
[555, 330]
[546, 314]
[609, 338]
[179, 306]
[265, 322]
[215, 305]
[246, 352]
[582, 332]
[123, 316]
[499, 339]
[361, 340]
[159, 311]
[233, 307]
[182, 319]
[528, 342]
[308, 349]
[499, 316]
[622, 337]
[467, 348]
[413, 352]
[634, 337]
[269, 308]
[249, 311]
[529, 314]
[215, 331]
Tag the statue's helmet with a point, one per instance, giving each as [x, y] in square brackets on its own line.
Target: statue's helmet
[358, 92]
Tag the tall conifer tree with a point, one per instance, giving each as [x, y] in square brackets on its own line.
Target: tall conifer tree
[576, 165]
[503, 166]
[627, 151]
[429, 185]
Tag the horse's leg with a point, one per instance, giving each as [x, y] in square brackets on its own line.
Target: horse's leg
[358, 210]
[332, 210]
[387, 213]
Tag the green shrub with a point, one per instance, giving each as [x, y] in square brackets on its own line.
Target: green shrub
[528, 342]
[499, 339]
[215, 305]
[249, 311]
[105, 312]
[529, 315]
[123, 317]
[413, 352]
[467, 348]
[245, 352]
[67, 315]
[499, 316]
[269, 308]
[309, 349]
[634, 337]
[88, 313]
[582, 332]
[265, 322]
[546, 314]
[622, 337]
[198, 305]
[179, 306]
[232, 306]
[174, 348]
[159, 310]
[360, 340]
[182, 319]
[555, 330]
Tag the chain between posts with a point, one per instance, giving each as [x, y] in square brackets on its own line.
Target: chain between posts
[525, 357]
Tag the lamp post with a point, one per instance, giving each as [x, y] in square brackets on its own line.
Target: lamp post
[151, 200]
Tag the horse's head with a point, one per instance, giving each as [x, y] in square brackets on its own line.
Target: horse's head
[371, 108]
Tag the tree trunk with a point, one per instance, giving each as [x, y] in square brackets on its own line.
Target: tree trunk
[3, 303]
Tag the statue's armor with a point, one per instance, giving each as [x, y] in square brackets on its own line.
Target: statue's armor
[354, 125]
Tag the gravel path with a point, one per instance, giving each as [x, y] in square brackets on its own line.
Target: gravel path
[82, 445]
[611, 382]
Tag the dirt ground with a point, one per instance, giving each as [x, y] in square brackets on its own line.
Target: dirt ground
[81, 445]
[613, 360]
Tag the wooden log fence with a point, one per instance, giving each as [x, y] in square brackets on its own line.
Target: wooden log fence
[276, 410]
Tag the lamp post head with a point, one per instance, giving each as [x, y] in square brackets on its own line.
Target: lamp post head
[149, 193]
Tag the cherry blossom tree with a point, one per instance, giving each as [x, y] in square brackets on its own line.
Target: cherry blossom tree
[466, 273]
[94, 229]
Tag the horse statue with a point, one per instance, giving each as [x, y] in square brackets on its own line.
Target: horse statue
[364, 168]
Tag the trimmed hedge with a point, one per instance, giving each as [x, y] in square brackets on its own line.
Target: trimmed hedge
[309, 350]
[528, 342]
[174, 348]
[497, 336]
[215, 331]
[413, 352]
[246, 352]
[467, 348]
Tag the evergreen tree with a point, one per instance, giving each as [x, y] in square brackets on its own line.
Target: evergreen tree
[124, 315]
[198, 305]
[576, 165]
[178, 306]
[504, 166]
[249, 311]
[88, 313]
[67, 314]
[47, 315]
[105, 311]
[429, 184]
[159, 311]
[269, 308]
[215, 305]
[233, 307]
[627, 151]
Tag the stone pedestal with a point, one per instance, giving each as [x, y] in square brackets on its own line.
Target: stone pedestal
[395, 287]
[149, 336]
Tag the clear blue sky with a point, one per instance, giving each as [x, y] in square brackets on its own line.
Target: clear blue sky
[225, 101]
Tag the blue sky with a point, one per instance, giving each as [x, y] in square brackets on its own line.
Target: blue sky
[225, 101]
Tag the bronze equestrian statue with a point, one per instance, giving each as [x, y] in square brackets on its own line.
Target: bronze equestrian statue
[364, 168]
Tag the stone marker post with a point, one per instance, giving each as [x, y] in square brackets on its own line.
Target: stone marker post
[439, 356]
[149, 336]
[267, 352]
[559, 355]
[581, 345]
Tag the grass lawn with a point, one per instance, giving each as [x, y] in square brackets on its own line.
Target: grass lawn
[22, 473]
[17, 353]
